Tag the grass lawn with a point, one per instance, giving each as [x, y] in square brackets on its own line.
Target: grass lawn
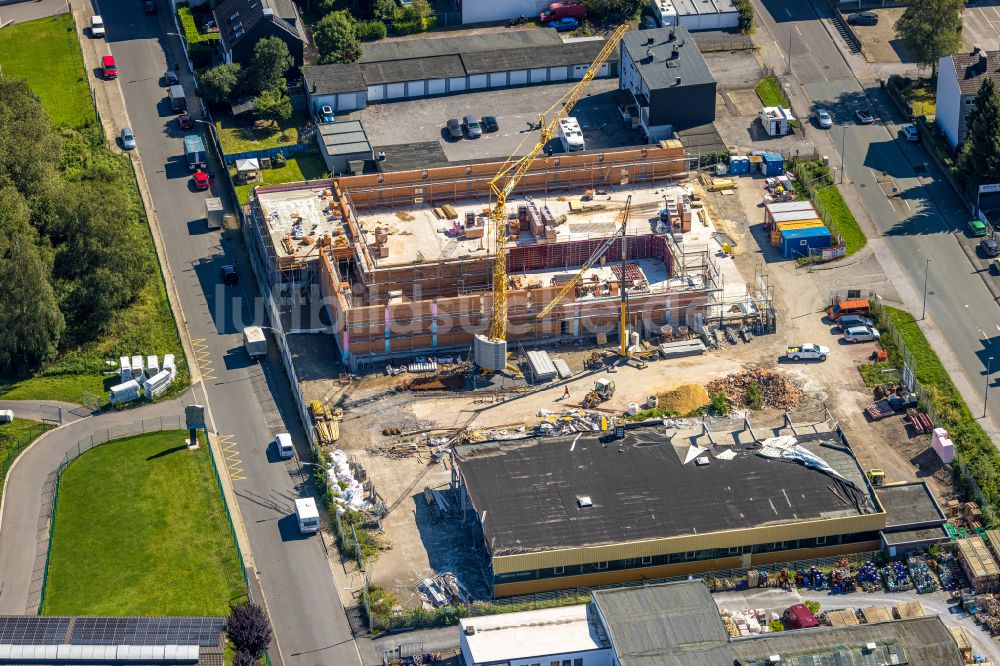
[190, 27]
[843, 218]
[238, 136]
[303, 167]
[46, 53]
[922, 96]
[770, 92]
[141, 529]
[14, 438]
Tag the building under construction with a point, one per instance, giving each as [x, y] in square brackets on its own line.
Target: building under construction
[405, 260]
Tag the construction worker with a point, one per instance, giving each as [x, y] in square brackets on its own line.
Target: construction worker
[566, 391]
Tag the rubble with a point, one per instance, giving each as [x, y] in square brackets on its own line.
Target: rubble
[347, 492]
[776, 390]
[442, 589]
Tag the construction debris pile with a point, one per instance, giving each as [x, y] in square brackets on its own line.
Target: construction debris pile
[348, 493]
[442, 589]
[326, 422]
[569, 421]
[776, 390]
[747, 622]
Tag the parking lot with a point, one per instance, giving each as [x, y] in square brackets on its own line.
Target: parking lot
[423, 121]
[981, 26]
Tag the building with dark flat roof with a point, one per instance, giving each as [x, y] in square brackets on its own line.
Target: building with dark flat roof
[668, 80]
[587, 509]
[913, 517]
[411, 69]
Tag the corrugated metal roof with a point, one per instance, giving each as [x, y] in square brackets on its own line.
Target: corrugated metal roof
[676, 624]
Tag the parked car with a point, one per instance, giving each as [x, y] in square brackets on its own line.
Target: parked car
[96, 26]
[990, 247]
[910, 133]
[201, 180]
[863, 18]
[824, 119]
[849, 320]
[326, 114]
[489, 124]
[800, 617]
[229, 274]
[472, 128]
[864, 117]
[807, 350]
[861, 334]
[149, 7]
[109, 67]
[977, 228]
[454, 128]
[854, 306]
[564, 24]
[185, 121]
[564, 8]
[170, 78]
[128, 139]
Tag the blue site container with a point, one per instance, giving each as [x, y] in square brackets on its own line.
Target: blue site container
[798, 242]
[739, 165]
[774, 164]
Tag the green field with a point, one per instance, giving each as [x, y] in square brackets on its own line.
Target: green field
[46, 53]
[14, 438]
[147, 327]
[770, 92]
[140, 529]
[303, 167]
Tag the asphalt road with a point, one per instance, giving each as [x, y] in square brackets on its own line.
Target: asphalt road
[795, 26]
[29, 11]
[249, 402]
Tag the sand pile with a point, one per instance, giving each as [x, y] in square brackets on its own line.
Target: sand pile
[684, 399]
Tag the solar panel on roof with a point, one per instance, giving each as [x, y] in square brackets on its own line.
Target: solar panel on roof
[201, 631]
[32, 630]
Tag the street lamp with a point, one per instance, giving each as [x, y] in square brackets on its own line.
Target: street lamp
[927, 269]
[986, 396]
[184, 43]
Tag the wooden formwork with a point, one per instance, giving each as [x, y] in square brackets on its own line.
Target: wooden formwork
[979, 564]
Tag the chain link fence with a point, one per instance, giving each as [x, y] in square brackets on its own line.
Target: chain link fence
[12, 445]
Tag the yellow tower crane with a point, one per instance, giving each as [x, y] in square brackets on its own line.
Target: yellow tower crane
[594, 258]
[513, 170]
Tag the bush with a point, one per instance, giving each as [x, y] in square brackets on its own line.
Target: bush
[813, 606]
[370, 31]
[718, 405]
[245, 659]
[745, 8]
[753, 398]
[249, 629]
[775, 625]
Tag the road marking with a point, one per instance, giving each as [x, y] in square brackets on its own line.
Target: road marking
[202, 358]
[233, 463]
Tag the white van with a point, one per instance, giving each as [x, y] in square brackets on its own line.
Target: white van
[308, 515]
[570, 135]
[284, 443]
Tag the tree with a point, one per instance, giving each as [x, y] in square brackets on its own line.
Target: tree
[384, 9]
[273, 105]
[30, 321]
[930, 29]
[245, 659]
[249, 629]
[30, 149]
[979, 158]
[336, 39]
[218, 83]
[270, 61]
[614, 9]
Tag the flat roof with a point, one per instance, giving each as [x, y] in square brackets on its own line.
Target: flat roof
[921, 641]
[345, 138]
[676, 624]
[910, 505]
[640, 489]
[689, 64]
[915, 537]
[530, 634]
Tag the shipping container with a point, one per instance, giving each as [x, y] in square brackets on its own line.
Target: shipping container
[773, 164]
[785, 226]
[773, 209]
[798, 242]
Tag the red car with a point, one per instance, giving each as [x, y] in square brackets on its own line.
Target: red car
[185, 121]
[201, 181]
[109, 67]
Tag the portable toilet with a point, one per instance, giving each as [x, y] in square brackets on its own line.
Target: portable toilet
[124, 369]
[798, 242]
[773, 165]
[739, 165]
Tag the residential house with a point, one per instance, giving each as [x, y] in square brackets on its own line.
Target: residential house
[243, 23]
[959, 78]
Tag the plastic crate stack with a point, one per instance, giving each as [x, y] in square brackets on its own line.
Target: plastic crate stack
[921, 575]
[812, 578]
[950, 573]
[896, 578]
[868, 577]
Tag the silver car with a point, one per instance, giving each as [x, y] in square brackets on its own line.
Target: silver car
[861, 334]
[128, 139]
[824, 119]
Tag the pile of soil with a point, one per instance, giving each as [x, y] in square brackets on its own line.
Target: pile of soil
[776, 390]
[684, 399]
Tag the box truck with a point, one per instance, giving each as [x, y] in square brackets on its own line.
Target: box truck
[177, 100]
[194, 151]
[255, 342]
[308, 515]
